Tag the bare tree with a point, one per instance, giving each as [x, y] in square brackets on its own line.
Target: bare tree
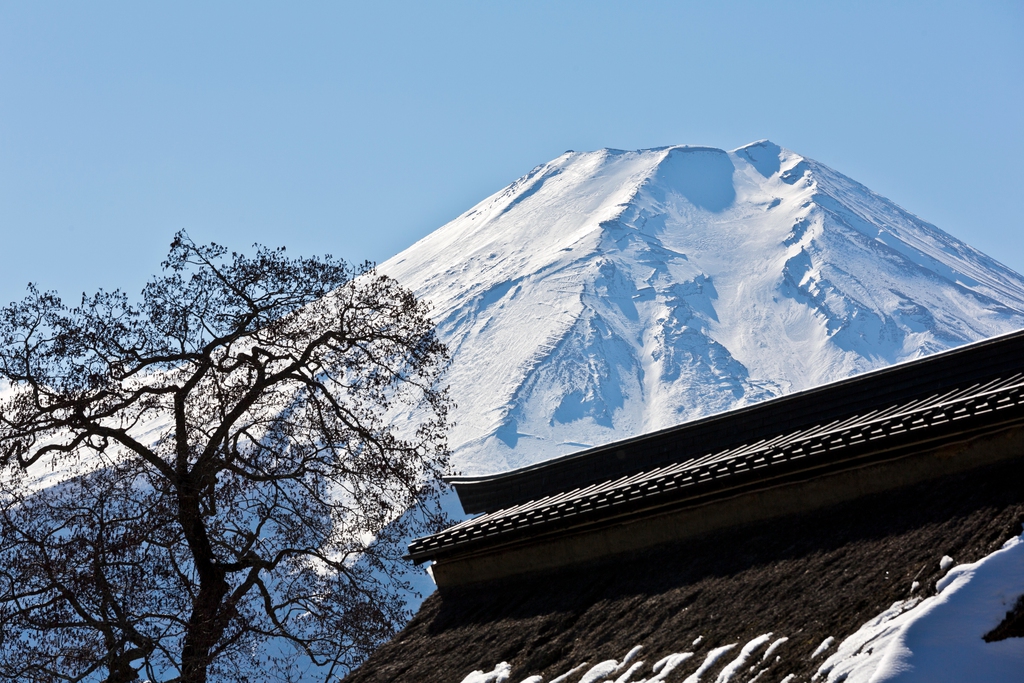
[213, 484]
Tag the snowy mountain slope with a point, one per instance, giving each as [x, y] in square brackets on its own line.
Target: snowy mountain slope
[610, 293]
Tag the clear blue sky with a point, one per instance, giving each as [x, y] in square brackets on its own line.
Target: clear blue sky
[356, 129]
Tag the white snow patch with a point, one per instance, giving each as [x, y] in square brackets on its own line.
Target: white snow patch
[825, 644]
[733, 667]
[708, 662]
[758, 676]
[629, 672]
[600, 671]
[533, 679]
[666, 665]
[940, 638]
[610, 667]
[500, 674]
[773, 647]
[564, 677]
[946, 562]
[631, 655]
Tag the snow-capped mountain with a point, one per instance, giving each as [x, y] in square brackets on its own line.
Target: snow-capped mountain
[610, 293]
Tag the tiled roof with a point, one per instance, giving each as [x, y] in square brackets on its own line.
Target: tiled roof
[849, 441]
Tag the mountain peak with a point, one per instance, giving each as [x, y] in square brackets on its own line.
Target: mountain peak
[763, 143]
[609, 293]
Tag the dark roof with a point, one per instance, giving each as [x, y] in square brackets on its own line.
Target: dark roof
[873, 416]
[819, 573]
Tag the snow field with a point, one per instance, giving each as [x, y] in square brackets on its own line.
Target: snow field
[610, 293]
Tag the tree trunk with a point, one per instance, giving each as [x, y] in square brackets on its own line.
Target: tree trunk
[207, 622]
[205, 628]
[121, 670]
